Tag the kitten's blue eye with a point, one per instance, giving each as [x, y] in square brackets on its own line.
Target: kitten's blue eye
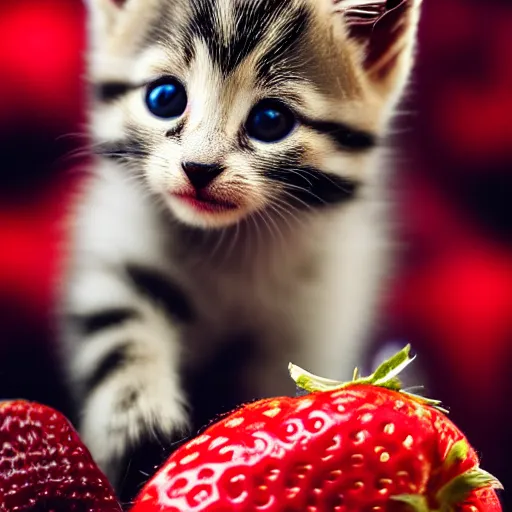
[270, 121]
[166, 98]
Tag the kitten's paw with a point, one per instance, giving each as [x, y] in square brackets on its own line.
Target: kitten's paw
[119, 418]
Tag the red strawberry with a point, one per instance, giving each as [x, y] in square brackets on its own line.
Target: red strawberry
[45, 467]
[363, 446]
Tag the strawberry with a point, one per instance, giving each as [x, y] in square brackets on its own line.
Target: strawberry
[362, 446]
[45, 467]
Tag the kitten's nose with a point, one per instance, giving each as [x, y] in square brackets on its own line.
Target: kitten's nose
[201, 175]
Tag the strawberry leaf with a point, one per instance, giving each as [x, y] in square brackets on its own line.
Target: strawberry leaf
[391, 368]
[461, 486]
[416, 502]
[458, 453]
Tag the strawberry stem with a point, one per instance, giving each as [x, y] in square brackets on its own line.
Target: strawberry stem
[385, 376]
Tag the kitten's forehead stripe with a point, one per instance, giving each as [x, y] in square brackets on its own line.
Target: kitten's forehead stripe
[254, 23]
[277, 61]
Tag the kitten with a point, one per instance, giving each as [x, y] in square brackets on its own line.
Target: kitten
[234, 220]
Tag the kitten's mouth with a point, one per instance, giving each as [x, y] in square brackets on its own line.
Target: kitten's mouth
[206, 203]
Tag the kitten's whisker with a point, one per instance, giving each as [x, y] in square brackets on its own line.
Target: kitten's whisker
[278, 207]
[288, 213]
[274, 208]
[258, 233]
[281, 238]
[295, 198]
[234, 240]
[248, 235]
[302, 189]
[218, 244]
[73, 136]
[301, 175]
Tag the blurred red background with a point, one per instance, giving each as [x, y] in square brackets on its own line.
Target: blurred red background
[453, 297]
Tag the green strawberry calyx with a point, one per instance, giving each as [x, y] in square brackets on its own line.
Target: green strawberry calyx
[387, 376]
[454, 493]
[457, 490]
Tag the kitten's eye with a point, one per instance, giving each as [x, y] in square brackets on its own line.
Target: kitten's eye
[270, 121]
[166, 98]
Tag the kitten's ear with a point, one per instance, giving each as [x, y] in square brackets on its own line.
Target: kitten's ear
[126, 20]
[386, 31]
[102, 16]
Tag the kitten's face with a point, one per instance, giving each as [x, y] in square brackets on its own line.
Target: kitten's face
[229, 107]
